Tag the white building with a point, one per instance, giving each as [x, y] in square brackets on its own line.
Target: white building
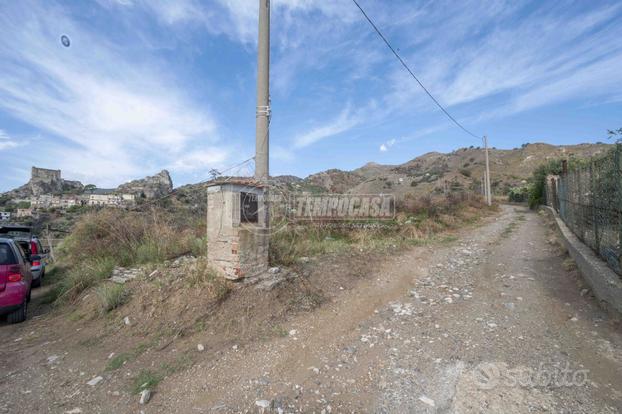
[24, 212]
[42, 201]
[5, 216]
[128, 198]
[105, 200]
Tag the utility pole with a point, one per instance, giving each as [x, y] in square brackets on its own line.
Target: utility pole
[488, 190]
[262, 122]
[483, 185]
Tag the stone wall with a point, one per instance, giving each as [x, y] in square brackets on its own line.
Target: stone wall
[44, 181]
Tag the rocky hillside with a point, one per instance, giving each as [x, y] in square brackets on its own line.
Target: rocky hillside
[50, 182]
[149, 187]
[44, 181]
[460, 169]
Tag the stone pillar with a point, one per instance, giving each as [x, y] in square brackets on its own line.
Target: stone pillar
[236, 231]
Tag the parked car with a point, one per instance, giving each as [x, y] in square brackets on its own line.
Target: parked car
[15, 281]
[31, 245]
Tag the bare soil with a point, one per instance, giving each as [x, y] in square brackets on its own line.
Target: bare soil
[496, 321]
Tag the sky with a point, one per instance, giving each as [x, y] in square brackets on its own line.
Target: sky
[147, 85]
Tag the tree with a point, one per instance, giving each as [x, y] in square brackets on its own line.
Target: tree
[214, 173]
[615, 134]
[538, 181]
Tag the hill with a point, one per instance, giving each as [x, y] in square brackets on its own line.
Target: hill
[460, 169]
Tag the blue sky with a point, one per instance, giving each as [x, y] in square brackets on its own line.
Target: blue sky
[149, 84]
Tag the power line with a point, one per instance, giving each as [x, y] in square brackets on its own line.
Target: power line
[174, 191]
[411, 72]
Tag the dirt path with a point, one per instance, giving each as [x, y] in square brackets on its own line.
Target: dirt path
[452, 329]
[491, 323]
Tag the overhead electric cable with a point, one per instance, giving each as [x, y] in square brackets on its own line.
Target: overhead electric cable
[411, 72]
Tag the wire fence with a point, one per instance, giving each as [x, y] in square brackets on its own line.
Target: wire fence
[588, 198]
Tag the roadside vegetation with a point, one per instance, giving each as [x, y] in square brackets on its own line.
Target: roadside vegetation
[418, 221]
[181, 300]
[104, 239]
[537, 183]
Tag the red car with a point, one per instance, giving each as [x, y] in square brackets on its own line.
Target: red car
[15, 281]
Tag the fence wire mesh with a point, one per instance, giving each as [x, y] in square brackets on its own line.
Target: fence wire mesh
[588, 198]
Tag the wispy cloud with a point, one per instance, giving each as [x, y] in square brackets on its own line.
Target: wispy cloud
[120, 114]
[517, 61]
[343, 122]
[7, 142]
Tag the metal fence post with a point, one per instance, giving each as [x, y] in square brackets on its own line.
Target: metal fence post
[618, 198]
[580, 204]
[593, 205]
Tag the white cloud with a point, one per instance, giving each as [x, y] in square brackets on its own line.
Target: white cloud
[201, 160]
[120, 113]
[513, 59]
[344, 121]
[384, 147]
[7, 142]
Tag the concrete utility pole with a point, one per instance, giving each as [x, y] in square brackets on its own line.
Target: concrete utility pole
[263, 94]
[488, 190]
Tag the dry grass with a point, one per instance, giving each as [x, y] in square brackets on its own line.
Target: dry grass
[201, 276]
[111, 296]
[107, 238]
[418, 221]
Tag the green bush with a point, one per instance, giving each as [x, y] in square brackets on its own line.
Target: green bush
[538, 182]
[518, 194]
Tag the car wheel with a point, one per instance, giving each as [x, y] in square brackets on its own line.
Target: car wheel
[19, 315]
[37, 282]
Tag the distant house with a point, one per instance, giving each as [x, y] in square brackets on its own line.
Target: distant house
[50, 201]
[104, 200]
[107, 197]
[128, 198]
[5, 216]
[24, 212]
[42, 201]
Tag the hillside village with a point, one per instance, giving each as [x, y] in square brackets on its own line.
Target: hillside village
[47, 190]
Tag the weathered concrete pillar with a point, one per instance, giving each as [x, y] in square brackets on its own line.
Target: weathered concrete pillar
[236, 232]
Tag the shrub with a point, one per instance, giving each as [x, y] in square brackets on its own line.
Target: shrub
[518, 194]
[287, 246]
[111, 296]
[146, 379]
[107, 238]
[129, 238]
[538, 184]
[81, 277]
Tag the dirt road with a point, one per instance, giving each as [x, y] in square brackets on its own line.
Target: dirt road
[495, 322]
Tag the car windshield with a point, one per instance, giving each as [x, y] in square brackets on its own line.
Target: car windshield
[6, 255]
